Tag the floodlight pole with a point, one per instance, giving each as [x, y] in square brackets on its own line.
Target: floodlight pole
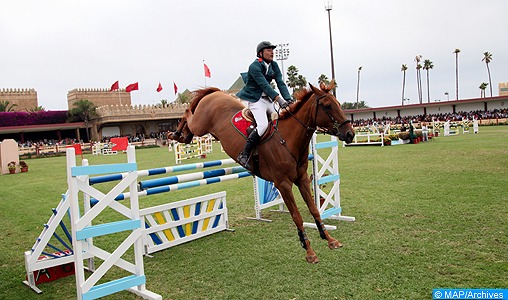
[282, 53]
[328, 8]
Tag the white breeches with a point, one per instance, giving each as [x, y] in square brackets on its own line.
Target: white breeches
[260, 110]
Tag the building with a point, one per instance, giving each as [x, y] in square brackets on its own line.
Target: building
[23, 99]
[99, 97]
[503, 89]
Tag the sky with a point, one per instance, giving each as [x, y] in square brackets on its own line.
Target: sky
[55, 46]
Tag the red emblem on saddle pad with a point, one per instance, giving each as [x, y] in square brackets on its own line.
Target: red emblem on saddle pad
[242, 124]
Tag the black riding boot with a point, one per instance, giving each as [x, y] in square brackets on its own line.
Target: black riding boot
[252, 141]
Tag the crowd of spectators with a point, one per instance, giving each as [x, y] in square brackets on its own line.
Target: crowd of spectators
[161, 137]
[442, 117]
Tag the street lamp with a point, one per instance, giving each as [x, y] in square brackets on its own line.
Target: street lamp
[447, 96]
[282, 53]
[328, 8]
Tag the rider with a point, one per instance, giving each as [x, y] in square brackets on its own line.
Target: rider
[260, 94]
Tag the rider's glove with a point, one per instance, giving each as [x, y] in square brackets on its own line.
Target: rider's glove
[282, 103]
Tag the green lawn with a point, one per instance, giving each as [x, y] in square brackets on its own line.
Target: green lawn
[427, 215]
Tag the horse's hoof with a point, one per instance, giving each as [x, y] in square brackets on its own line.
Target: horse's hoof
[334, 245]
[312, 259]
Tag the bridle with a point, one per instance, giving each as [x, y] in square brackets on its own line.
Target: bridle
[336, 125]
[335, 128]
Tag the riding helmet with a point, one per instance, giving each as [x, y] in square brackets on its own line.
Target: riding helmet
[264, 45]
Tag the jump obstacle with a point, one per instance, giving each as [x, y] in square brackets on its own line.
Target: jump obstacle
[325, 170]
[164, 226]
[197, 148]
[370, 137]
[175, 223]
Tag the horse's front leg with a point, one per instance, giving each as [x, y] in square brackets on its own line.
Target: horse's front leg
[289, 199]
[304, 187]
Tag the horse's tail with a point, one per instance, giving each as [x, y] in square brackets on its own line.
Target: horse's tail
[200, 94]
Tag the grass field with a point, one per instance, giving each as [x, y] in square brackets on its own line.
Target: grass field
[427, 215]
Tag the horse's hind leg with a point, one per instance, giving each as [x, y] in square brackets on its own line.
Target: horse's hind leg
[289, 200]
[304, 187]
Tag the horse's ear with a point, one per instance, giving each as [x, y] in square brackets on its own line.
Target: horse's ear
[313, 88]
[332, 85]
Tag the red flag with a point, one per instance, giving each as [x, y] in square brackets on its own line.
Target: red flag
[175, 87]
[159, 88]
[115, 86]
[207, 71]
[131, 87]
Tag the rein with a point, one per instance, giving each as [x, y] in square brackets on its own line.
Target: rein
[336, 125]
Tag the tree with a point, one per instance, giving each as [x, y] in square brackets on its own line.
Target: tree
[358, 86]
[419, 77]
[164, 102]
[403, 69]
[85, 111]
[457, 51]
[351, 105]
[292, 78]
[37, 108]
[323, 79]
[428, 65]
[487, 58]
[301, 82]
[482, 87]
[4, 106]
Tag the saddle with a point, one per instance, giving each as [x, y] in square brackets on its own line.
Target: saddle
[243, 121]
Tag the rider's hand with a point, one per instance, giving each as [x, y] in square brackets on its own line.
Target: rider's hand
[282, 103]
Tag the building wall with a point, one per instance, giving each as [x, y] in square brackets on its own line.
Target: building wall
[444, 109]
[469, 106]
[99, 97]
[503, 89]
[25, 99]
[411, 111]
[500, 104]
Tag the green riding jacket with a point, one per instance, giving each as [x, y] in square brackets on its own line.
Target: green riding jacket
[258, 79]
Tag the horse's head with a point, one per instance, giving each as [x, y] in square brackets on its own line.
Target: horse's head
[329, 115]
[182, 133]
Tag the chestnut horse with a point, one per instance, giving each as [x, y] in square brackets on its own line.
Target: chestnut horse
[283, 159]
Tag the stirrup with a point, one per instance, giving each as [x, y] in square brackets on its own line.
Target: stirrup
[243, 160]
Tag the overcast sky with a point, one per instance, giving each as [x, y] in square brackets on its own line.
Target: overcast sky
[56, 46]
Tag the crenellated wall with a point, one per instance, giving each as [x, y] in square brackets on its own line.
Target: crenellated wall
[503, 89]
[25, 99]
[98, 96]
[119, 113]
[132, 120]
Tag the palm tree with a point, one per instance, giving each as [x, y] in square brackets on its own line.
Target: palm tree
[4, 106]
[428, 65]
[487, 58]
[419, 77]
[323, 79]
[403, 69]
[457, 51]
[482, 87]
[301, 82]
[37, 108]
[358, 86]
[85, 111]
[164, 102]
[292, 78]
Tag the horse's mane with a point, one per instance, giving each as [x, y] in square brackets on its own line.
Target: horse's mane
[199, 94]
[302, 96]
